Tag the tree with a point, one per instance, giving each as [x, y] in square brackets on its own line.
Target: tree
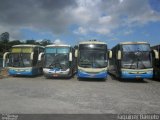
[45, 42]
[15, 42]
[30, 42]
[4, 37]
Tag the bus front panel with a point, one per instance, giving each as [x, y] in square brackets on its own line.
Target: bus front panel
[57, 62]
[92, 61]
[133, 74]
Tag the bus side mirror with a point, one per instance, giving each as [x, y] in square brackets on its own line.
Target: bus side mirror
[31, 57]
[40, 56]
[156, 54]
[76, 53]
[4, 58]
[110, 54]
[70, 56]
[119, 55]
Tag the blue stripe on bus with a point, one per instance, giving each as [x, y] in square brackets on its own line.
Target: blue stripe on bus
[33, 71]
[133, 76]
[89, 75]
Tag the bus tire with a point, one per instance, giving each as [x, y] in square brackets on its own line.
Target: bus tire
[78, 78]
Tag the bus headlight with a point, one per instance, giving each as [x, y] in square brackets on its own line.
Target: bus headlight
[27, 70]
[149, 72]
[125, 72]
[80, 70]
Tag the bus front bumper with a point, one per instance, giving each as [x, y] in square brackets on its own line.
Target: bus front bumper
[56, 73]
[128, 75]
[81, 74]
[13, 72]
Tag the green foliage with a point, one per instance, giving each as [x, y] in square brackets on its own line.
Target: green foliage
[4, 37]
[5, 44]
[45, 42]
[30, 42]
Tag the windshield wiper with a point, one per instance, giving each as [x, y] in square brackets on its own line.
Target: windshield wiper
[20, 60]
[133, 61]
[140, 59]
[21, 57]
[56, 61]
[55, 65]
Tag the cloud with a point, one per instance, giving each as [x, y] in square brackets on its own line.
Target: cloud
[111, 15]
[102, 31]
[82, 15]
[58, 41]
[121, 1]
[80, 31]
[48, 15]
[128, 32]
[91, 16]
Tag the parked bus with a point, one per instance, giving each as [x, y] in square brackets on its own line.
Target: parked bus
[23, 60]
[59, 61]
[131, 60]
[92, 59]
[156, 62]
[1, 63]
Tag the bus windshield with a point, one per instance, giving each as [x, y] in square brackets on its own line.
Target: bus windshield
[136, 47]
[137, 56]
[92, 59]
[57, 58]
[20, 60]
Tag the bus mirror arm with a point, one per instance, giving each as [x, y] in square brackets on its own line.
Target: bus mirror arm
[110, 54]
[40, 56]
[119, 55]
[156, 54]
[76, 53]
[32, 53]
[4, 58]
[70, 56]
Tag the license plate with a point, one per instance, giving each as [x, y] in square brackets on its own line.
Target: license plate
[92, 75]
[55, 75]
[138, 76]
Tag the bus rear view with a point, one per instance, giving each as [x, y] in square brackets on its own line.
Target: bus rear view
[92, 60]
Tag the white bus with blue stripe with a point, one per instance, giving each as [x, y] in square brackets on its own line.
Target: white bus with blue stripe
[23, 60]
[59, 61]
[131, 60]
[92, 59]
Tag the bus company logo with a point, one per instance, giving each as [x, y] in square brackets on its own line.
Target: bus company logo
[137, 53]
[138, 117]
[9, 117]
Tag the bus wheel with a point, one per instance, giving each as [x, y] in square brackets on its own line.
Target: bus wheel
[104, 79]
[79, 79]
[47, 77]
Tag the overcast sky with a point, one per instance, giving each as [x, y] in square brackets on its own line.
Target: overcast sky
[71, 21]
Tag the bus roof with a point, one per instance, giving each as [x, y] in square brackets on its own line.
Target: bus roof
[58, 45]
[125, 43]
[27, 45]
[92, 42]
[156, 45]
